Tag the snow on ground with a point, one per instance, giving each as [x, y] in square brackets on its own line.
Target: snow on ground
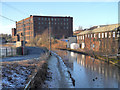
[16, 74]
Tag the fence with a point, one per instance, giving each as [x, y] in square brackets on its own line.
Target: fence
[7, 51]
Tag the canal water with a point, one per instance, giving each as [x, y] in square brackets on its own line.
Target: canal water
[89, 72]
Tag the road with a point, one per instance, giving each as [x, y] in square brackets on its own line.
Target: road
[33, 52]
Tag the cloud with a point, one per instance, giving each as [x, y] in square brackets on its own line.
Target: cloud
[6, 29]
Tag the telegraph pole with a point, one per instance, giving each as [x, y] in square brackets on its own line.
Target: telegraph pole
[49, 33]
[23, 38]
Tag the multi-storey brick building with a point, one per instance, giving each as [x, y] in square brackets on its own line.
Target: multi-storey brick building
[102, 40]
[36, 25]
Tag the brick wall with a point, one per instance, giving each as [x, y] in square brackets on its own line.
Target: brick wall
[36, 25]
[105, 43]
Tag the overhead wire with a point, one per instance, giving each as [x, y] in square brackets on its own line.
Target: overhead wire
[18, 10]
[13, 9]
[7, 18]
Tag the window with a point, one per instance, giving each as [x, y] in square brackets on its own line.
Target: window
[39, 23]
[118, 35]
[102, 35]
[67, 27]
[67, 19]
[38, 18]
[83, 37]
[88, 35]
[91, 35]
[79, 37]
[55, 19]
[45, 18]
[52, 19]
[98, 35]
[94, 35]
[64, 19]
[58, 19]
[113, 34]
[109, 34]
[48, 18]
[55, 22]
[42, 18]
[61, 22]
[105, 34]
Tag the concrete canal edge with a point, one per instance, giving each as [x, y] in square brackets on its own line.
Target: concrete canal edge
[94, 56]
[38, 78]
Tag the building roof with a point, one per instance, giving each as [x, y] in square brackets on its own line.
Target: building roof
[44, 16]
[101, 29]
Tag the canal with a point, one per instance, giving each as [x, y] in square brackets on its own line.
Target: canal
[89, 72]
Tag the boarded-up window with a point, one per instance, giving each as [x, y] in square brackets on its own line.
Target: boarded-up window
[99, 35]
[94, 35]
[88, 35]
[83, 37]
[109, 34]
[102, 35]
[106, 35]
[91, 35]
[113, 34]
[118, 35]
[83, 45]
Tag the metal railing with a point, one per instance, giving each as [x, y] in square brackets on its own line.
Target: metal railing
[7, 51]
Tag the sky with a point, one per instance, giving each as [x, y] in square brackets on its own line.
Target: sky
[85, 14]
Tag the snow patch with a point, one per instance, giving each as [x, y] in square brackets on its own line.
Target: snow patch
[59, 74]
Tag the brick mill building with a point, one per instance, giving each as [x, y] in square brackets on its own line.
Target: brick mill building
[102, 40]
[61, 27]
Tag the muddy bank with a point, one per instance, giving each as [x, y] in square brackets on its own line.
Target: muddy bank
[39, 78]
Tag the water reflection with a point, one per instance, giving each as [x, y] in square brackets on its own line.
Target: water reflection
[92, 73]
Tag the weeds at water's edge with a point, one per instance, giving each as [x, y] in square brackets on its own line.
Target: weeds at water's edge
[38, 78]
[103, 58]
